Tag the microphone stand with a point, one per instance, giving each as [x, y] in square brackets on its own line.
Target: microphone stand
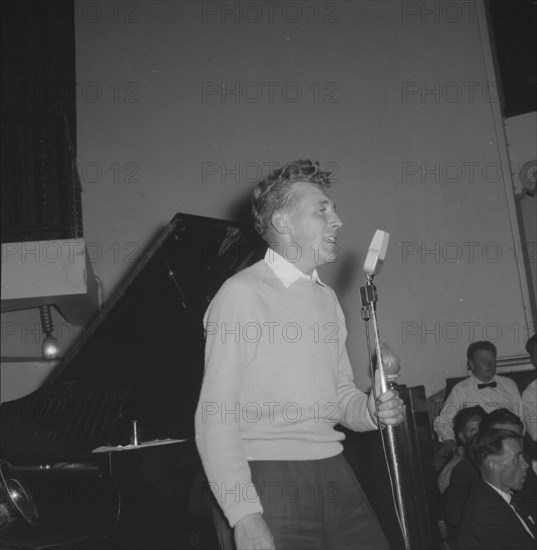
[369, 298]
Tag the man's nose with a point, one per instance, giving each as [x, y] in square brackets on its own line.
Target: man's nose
[336, 221]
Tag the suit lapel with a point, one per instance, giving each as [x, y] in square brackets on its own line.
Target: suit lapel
[511, 514]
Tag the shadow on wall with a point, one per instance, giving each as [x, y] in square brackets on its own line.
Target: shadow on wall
[241, 211]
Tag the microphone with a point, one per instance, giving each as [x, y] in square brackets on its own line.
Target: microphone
[376, 253]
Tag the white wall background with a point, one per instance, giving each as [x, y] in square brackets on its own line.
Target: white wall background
[394, 97]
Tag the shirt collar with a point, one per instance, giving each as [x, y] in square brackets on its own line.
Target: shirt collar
[286, 271]
[506, 496]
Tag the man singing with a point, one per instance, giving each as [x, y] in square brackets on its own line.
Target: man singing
[278, 380]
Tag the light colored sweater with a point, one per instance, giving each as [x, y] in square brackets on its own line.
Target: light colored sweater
[277, 379]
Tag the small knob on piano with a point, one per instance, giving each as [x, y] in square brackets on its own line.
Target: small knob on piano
[135, 438]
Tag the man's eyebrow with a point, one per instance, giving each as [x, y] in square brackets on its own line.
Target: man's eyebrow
[328, 202]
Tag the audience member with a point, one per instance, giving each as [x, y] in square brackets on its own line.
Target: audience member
[491, 519]
[466, 474]
[529, 396]
[466, 425]
[502, 419]
[483, 387]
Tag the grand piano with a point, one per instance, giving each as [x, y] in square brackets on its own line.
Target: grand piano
[141, 359]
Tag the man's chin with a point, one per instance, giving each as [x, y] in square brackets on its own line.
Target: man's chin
[520, 484]
[329, 258]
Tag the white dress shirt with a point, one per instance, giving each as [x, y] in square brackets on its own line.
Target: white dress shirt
[467, 394]
[529, 407]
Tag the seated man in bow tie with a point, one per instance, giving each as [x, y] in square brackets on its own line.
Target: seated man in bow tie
[482, 388]
[491, 520]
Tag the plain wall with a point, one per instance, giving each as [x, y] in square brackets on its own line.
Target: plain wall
[175, 114]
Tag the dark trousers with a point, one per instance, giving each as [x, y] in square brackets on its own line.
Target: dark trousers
[311, 505]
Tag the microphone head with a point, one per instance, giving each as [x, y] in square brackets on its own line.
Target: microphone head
[390, 361]
[376, 253]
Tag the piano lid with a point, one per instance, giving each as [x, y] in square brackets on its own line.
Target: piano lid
[149, 335]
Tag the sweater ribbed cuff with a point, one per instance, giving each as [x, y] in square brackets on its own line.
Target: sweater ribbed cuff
[241, 510]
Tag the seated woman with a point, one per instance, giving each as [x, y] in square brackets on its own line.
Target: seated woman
[466, 425]
[459, 473]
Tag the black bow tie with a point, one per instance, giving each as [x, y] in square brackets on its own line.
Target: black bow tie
[489, 385]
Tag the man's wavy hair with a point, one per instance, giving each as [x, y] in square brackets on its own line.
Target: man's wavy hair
[490, 443]
[275, 192]
[500, 416]
[531, 342]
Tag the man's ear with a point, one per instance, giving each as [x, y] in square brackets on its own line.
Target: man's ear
[470, 365]
[492, 465]
[280, 222]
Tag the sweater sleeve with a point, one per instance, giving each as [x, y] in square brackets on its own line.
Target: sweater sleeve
[354, 413]
[217, 419]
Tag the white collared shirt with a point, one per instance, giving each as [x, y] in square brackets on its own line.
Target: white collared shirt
[286, 271]
[467, 394]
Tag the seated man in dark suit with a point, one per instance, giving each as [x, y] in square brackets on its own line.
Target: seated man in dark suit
[490, 520]
[503, 419]
[465, 473]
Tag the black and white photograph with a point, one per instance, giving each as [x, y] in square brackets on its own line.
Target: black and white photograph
[269, 275]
